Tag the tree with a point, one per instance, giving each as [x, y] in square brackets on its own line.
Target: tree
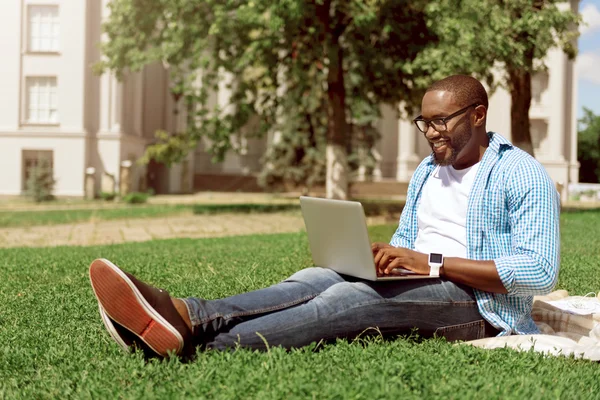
[588, 147]
[513, 35]
[312, 72]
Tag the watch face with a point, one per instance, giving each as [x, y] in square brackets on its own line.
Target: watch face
[435, 258]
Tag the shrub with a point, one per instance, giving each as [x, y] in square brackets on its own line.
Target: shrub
[40, 184]
[136, 198]
[108, 196]
[588, 147]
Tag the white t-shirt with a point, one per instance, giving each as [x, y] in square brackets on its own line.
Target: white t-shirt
[442, 213]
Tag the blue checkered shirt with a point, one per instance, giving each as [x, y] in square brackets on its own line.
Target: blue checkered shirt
[512, 219]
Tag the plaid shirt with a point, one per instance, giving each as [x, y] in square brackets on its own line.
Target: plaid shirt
[513, 219]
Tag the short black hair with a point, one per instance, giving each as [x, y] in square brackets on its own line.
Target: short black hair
[465, 89]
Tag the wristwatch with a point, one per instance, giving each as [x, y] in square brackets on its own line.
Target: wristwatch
[436, 260]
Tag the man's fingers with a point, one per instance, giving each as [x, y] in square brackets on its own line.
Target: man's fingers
[380, 261]
[376, 246]
[384, 260]
[378, 257]
[393, 265]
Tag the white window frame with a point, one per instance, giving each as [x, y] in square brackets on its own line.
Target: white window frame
[44, 104]
[53, 26]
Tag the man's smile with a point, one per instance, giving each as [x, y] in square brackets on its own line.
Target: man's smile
[439, 145]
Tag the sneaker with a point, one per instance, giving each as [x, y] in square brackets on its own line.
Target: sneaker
[122, 336]
[125, 339]
[145, 311]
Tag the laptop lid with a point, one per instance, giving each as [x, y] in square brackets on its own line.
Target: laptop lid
[338, 237]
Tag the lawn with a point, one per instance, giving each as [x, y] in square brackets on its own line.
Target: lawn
[73, 214]
[77, 215]
[53, 344]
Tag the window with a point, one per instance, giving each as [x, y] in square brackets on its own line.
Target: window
[42, 100]
[33, 158]
[44, 29]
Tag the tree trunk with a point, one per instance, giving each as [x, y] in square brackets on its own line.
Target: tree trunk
[337, 128]
[520, 93]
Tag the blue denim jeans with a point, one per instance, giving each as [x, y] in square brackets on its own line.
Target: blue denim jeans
[318, 304]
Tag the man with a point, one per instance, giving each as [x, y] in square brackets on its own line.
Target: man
[487, 207]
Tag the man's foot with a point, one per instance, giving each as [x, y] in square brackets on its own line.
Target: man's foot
[123, 337]
[146, 311]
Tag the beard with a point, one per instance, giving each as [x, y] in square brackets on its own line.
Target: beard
[456, 142]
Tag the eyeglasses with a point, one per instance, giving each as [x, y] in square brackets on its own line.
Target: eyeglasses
[439, 124]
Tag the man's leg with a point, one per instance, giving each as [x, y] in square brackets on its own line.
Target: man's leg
[211, 317]
[164, 323]
[346, 309]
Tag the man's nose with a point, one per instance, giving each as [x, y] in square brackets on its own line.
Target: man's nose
[431, 133]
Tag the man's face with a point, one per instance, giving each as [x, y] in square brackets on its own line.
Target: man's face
[449, 147]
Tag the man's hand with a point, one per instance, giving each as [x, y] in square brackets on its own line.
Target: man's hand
[387, 258]
[375, 247]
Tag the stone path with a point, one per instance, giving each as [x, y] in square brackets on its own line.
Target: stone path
[137, 230]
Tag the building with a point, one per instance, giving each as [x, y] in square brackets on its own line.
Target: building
[53, 107]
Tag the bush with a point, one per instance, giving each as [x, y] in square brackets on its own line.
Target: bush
[136, 198]
[588, 147]
[40, 184]
[108, 196]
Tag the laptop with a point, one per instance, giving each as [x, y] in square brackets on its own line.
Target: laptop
[339, 240]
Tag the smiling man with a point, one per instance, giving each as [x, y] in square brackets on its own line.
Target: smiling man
[480, 214]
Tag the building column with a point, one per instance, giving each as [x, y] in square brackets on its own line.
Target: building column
[408, 158]
[572, 86]
[387, 148]
[557, 113]
[109, 132]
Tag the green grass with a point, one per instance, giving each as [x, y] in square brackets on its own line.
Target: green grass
[53, 344]
[74, 215]
[70, 216]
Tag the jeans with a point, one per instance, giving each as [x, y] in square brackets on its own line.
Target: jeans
[318, 304]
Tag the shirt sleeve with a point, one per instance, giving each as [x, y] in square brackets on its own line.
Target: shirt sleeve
[401, 237]
[533, 207]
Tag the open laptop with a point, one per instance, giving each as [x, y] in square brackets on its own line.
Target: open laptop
[338, 238]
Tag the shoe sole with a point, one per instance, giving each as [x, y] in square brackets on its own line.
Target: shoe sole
[112, 331]
[123, 302]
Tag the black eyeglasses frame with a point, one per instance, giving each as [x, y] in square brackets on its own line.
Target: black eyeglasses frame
[444, 120]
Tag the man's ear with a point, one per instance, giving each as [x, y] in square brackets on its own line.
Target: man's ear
[480, 114]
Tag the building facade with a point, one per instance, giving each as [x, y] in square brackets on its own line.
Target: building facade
[54, 108]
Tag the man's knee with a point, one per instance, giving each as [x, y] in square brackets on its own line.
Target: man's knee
[346, 294]
[314, 274]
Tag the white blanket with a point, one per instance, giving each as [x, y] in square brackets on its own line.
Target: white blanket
[569, 325]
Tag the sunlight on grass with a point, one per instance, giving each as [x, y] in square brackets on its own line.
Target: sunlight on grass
[53, 344]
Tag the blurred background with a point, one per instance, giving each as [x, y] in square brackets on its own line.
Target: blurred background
[103, 98]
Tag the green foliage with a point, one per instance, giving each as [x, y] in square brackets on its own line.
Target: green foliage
[513, 34]
[108, 196]
[279, 59]
[588, 147]
[135, 198]
[502, 42]
[40, 184]
[276, 57]
[64, 352]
